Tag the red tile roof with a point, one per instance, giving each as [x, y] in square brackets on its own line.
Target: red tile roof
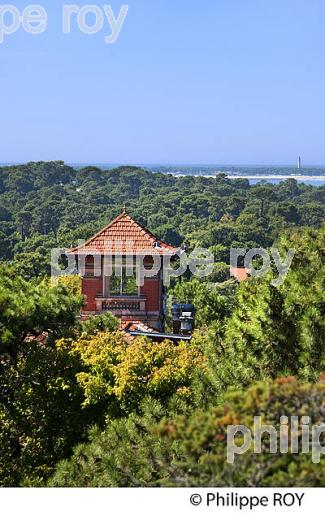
[135, 326]
[124, 235]
[240, 273]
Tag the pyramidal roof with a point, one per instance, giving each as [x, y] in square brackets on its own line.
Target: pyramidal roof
[124, 236]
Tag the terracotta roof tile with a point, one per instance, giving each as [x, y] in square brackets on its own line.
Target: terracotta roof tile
[135, 326]
[240, 273]
[124, 235]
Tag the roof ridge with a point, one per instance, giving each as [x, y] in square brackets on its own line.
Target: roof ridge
[146, 234]
[116, 219]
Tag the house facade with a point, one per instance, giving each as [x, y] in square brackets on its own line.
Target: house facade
[122, 272]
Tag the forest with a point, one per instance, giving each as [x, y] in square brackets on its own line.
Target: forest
[80, 405]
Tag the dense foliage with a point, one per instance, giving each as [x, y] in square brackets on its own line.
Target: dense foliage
[28, 309]
[120, 377]
[191, 450]
[282, 329]
[82, 404]
[45, 205]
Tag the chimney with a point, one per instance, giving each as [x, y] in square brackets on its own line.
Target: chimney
[183, 318]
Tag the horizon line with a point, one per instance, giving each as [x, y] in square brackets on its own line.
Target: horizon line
[171, 164]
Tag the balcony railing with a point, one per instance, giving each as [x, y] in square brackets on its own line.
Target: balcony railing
[120, 305]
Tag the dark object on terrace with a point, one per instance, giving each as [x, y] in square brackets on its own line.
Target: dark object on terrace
[183, 318]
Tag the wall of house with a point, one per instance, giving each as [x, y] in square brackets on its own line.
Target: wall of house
[151, 289]
[90, 288]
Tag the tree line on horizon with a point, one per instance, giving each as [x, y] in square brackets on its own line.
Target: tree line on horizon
[46, 205]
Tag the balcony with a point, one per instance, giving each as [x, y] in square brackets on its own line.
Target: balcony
[122, 305]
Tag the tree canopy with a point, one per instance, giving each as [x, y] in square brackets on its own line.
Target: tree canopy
[83, 404]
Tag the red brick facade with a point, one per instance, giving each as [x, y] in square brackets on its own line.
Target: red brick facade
[90, 288]
[116, 240]
[151, 289]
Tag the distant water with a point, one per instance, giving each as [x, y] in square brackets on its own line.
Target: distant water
[310, 182]
[311, 175]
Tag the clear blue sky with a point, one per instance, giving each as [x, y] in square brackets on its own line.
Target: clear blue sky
[188, 81]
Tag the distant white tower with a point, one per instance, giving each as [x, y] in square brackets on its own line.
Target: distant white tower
[299, 163]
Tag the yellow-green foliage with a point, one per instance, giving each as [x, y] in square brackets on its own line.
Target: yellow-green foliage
[72, 282]
[125, 372]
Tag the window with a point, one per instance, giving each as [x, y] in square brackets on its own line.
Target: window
[89, 265]
[123, 284]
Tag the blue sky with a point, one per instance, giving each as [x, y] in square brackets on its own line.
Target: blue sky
[215, 81]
